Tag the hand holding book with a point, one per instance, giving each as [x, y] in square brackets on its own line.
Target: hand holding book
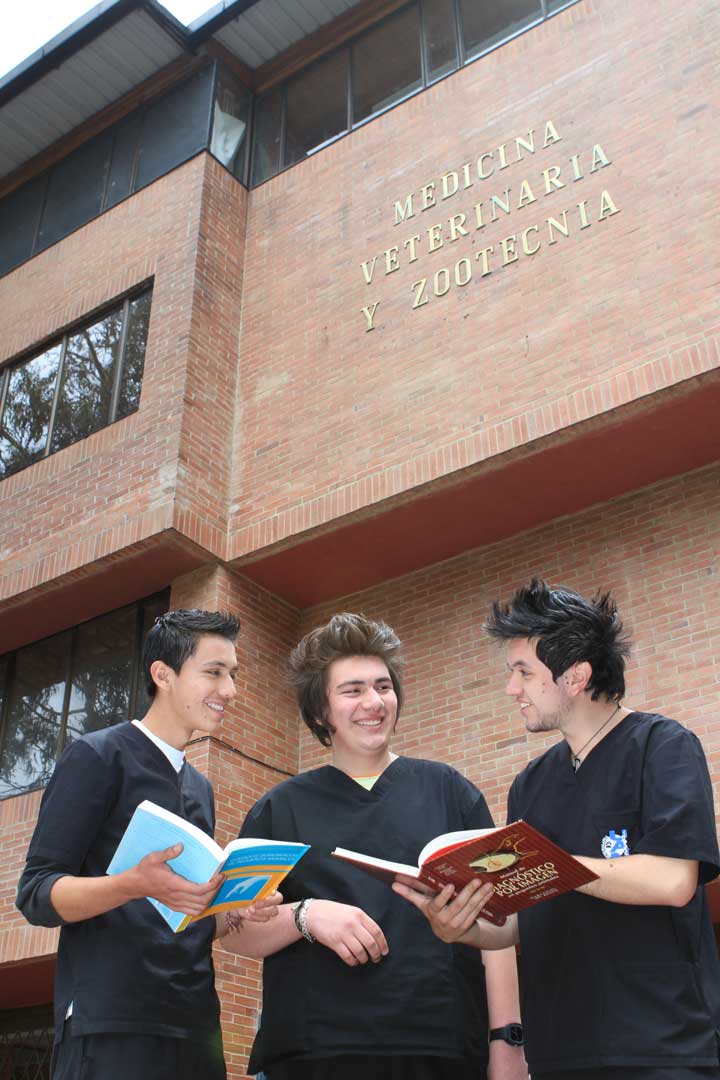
[208, 880]
[520, 866]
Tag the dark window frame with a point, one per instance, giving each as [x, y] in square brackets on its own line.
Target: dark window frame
[209, 70]
[463, 61]
[158, 598]
[123, 302]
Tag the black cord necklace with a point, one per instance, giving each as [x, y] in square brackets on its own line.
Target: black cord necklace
[575, 758]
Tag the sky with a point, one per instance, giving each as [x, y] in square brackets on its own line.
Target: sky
[28, 25]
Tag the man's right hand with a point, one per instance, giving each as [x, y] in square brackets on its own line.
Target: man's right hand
[348, 931]
[153, 877]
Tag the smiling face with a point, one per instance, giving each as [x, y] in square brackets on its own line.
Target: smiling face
[195, 698]
[545, 704]
[362, 710]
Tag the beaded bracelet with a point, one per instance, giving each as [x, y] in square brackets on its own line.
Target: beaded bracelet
[300, 917]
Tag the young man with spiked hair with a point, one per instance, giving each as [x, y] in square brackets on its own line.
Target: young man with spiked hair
[355, 983]
[621, 979]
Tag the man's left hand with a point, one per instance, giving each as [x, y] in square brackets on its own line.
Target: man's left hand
[261, 911]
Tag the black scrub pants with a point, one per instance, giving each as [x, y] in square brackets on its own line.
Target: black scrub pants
[135, 1057]
[374, 1067]
[660, 1072]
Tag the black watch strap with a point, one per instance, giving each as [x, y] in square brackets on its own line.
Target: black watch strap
[510, 1033]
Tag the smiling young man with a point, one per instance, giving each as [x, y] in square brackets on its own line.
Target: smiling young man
[355, 983]
[621, 979]
[131, 998]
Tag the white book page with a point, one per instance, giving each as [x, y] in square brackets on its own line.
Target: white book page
[449, 838]
[382, 864]
[186, 826]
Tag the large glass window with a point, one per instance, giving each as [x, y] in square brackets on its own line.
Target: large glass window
[422, 42]
[31, 731]
[268, 131]
[84, 382]
[78, 681]
[175, 128]
[91, 358]
[317, 107]
[19, 219]
[145, 145]
[441, 49]
[386, 63]
[76, 188]
[485, 24]
[28, 407]
[133, 359]
[414, 47]
[231, 119]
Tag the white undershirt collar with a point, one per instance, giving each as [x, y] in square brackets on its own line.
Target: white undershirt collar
[175, 757]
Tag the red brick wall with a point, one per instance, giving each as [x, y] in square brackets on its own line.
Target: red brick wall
[606, 315]
[306, 417]
[657, 549]
[169, 463]
[256, 749]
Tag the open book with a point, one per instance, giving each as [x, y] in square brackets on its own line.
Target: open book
[522, 864]
[252, 868]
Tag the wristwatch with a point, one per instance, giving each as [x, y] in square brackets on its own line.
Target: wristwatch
[510, 1033]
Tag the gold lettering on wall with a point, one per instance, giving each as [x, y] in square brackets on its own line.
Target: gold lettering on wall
[518, 195]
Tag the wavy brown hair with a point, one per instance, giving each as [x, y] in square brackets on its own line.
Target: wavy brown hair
[345, 635]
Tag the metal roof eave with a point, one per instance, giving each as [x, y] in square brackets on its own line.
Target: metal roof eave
[81, 32]
[216, 18]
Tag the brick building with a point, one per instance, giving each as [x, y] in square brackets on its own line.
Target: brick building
[368, 305]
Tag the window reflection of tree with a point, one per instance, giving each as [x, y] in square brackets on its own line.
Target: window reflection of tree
[134, 355]
[27, 411]
[89, 369]
[102, 669]
[43, 711]
[33, 715]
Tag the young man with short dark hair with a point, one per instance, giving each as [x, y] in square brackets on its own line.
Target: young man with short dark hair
[132, 999]
[355, 984]
[621, 979]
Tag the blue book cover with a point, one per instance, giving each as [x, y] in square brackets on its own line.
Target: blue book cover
[252, 868]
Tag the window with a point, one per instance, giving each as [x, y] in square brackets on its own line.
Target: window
[414, 47]
[19, 219]
[106, 169]
[26, 1042]
[317, 107]
[386, 63]
[76, 187]
[84, 382]
[268, 129]
[486, 24]
[64, 686]
[174, 128]
[441, 47]
[231, 119]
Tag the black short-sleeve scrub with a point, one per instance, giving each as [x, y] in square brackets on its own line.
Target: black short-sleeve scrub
[425, 998]
[617, 985]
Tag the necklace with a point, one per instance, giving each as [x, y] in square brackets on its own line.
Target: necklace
[575, 758]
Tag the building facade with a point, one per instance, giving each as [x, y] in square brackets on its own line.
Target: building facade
[386, 309]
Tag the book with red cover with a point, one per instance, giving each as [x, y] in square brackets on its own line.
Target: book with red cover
[524, 866]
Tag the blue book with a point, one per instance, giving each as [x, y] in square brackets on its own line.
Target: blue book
[252, 868]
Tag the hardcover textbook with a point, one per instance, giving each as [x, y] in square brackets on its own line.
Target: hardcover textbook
[252, 868]
[522, 864]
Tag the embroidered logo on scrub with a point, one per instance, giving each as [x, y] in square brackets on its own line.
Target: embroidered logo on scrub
[614, 846]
